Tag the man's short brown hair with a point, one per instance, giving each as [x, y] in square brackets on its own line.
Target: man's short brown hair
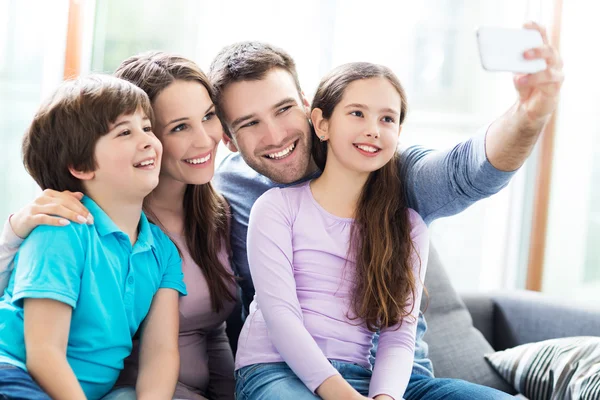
[66, 128]
[246, 61]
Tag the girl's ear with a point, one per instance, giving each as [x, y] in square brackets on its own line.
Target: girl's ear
[84, 176]
[320, 124]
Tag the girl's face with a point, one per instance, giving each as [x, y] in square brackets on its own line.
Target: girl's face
[364, 127]
[189, 130]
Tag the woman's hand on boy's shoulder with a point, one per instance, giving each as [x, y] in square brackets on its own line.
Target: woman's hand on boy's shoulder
[50, 208]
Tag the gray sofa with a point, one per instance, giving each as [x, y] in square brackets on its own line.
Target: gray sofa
[461, 329]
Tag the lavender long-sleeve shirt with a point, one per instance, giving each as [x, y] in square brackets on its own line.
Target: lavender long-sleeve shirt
[298, 256]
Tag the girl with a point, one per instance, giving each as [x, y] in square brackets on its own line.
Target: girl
[186, 206]
[337, 258]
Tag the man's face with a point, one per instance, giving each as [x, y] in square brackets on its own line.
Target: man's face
[268, 120]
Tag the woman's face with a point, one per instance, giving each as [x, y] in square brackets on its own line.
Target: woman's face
[189, 130]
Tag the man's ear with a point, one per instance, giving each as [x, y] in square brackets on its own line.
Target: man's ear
[320, 124]
[84, 176]
[228, 142]
[306, 104]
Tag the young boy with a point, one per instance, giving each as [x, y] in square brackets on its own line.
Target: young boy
[79, 293]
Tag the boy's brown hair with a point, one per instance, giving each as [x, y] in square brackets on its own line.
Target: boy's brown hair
[66, 128]
[246, 61]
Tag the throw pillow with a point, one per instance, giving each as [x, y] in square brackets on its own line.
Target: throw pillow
[556, 369]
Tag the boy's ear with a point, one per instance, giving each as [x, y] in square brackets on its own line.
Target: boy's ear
[320, 124]
[84, 176]
[228, 142]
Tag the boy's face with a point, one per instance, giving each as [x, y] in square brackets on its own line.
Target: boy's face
[127, 159]
[269, 123]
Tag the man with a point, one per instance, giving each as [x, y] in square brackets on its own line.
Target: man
[265, 116]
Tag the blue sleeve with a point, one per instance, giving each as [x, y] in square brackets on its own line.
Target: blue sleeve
[49, 264]
[444, 183]
[172, 275]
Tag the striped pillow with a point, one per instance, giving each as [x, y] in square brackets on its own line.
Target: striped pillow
[557, 369]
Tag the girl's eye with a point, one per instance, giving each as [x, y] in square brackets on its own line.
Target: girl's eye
[389, 119]
[147, 129]
[124, 133]
[179, 128]
[208, 116]
[357, 113]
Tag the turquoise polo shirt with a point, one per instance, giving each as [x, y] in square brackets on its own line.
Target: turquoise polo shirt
[109, 284]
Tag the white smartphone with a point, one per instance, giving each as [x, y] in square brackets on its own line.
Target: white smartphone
[501, 49]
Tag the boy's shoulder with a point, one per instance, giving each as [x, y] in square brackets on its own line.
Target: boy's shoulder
[164, 246]
[71, 234]
[160, 238]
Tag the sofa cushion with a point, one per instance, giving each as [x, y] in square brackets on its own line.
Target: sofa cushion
[456, 348]
[565, 369]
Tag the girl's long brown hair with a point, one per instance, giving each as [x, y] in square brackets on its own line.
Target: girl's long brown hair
[205, 211]
[380, 238]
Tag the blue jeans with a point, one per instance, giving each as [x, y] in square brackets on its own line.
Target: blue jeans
[16, 383]
[122, 393]
[423, 387]
[278, 381]
[128, 393]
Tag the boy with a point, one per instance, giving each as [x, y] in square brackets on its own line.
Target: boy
[79, 293]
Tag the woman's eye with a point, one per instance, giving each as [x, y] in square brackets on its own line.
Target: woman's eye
[357, 113]
[179, 128]
[389, 119]
[208, 116]
[125, 133]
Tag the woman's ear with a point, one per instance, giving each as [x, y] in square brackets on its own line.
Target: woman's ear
[228, 142]
[84, 176]
[320, 124]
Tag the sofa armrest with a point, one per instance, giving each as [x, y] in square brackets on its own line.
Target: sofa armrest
[523, 317]
[481, 308]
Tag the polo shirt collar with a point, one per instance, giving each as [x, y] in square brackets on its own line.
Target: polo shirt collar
[105, 226]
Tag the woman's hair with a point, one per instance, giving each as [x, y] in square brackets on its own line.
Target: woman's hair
[206, 213]
[380, 238]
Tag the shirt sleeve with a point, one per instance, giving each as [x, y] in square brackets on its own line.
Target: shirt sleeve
[172, 276]
[50, 263]
[444, 183]
[270, 255]
[9, 244]
[395, 354]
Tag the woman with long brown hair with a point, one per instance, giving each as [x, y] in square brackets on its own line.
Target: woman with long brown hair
[189, 210]
[338, 258]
